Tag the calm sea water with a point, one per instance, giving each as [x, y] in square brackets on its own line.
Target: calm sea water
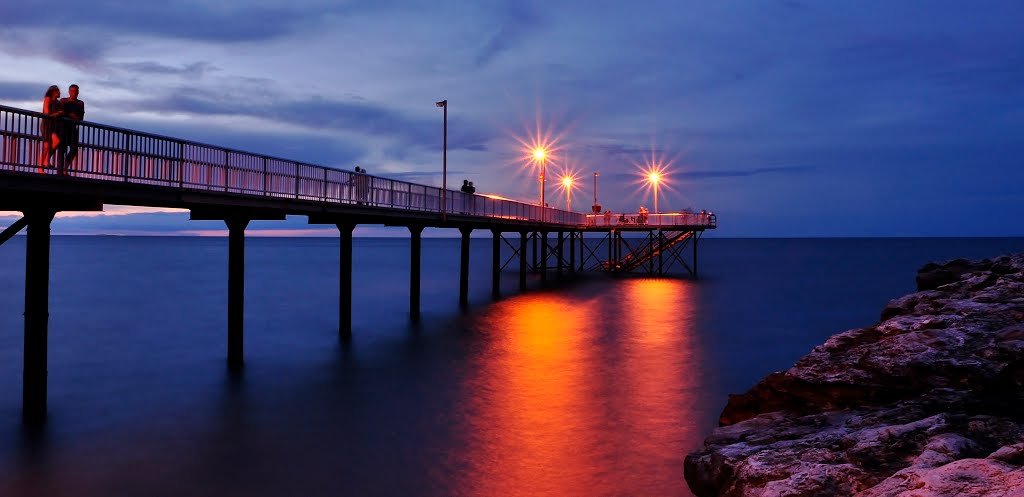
[596, 388]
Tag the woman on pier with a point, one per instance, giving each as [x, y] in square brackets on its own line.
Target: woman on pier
[49, 127]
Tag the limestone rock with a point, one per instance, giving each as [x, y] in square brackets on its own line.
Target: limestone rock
[925, 403]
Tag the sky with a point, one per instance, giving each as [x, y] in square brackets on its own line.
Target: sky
[783, 117]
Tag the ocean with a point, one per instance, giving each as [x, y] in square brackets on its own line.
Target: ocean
[593, 387]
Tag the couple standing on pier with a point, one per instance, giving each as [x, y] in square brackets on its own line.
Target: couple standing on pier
[59, 129]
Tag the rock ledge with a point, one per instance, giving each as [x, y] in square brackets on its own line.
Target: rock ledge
[928, 402]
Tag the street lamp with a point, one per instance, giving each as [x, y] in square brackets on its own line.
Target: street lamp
[567, 183]
[444, 161]
[542, 155]
[655, 178]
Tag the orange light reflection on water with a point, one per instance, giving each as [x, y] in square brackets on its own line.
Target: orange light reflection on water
[659, 379]
[577, 396]
[533, 384]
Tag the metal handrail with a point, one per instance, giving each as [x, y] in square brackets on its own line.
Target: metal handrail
[115, 154]
[700, 219]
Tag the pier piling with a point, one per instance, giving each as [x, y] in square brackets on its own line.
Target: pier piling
[572, 252]
[345, 282]
[559, 254]
[236, 291]
[522, 260]
[37, 314]
[414, 272]
[464, 268]
[496, 264]
[544, 258]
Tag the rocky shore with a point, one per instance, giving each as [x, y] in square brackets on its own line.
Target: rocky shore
[928, 402]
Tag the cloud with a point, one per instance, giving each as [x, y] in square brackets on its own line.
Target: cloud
[194, 70]
[516, 21]
[202, 21]
[11, 90]
[317, 113]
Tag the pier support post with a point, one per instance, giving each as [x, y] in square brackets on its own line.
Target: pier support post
[464, 269]
[619, 248]
[236, 291]
[695, 238]
[560, 253]
[345, 281]
[572, 252]
[37, 314]
[650, 264]
[544, 258]
[522, 261]
[583, 258]
[536, 261]
[416, 245]
[661, 253]
[611, 250]
[496, 264]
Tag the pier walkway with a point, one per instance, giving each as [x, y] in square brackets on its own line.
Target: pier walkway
[117, 166]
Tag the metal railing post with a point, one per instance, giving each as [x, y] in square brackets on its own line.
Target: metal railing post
[124, 156]
[226, 160]
[181, 165]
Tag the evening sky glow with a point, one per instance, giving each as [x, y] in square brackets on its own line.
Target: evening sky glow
[786, 118]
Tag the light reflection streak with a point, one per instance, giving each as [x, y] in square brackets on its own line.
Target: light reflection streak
[659, 378]
[531, 400]
[579, 396]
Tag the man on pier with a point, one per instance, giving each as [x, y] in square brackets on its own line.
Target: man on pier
[74, 111]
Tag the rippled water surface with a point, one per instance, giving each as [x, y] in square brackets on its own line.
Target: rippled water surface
[598, 387]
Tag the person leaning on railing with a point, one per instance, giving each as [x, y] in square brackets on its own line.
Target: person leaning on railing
[49, 127]
[74, 111]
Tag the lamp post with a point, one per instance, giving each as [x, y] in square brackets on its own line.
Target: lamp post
[542, 155]
[595, 188]
[567, 183]
[444, 162]
[655, 178]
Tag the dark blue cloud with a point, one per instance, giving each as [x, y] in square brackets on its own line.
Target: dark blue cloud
[411, 133]
[22, 91]
[222, 22]
[313, 149]
[516, 20]
[194, 70]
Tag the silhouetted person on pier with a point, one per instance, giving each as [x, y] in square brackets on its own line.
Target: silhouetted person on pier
[74, 112]
[49, 128]
[353, 182]
[362, 185]
[469, 190]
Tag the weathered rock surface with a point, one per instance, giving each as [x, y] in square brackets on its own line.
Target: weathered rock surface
[928, 402]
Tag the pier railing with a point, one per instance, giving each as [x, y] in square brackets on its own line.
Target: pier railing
[673, 219]
[121, 155]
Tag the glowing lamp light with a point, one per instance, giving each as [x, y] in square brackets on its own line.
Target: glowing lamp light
[654, 177]
[539, 153]
[567, 182]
